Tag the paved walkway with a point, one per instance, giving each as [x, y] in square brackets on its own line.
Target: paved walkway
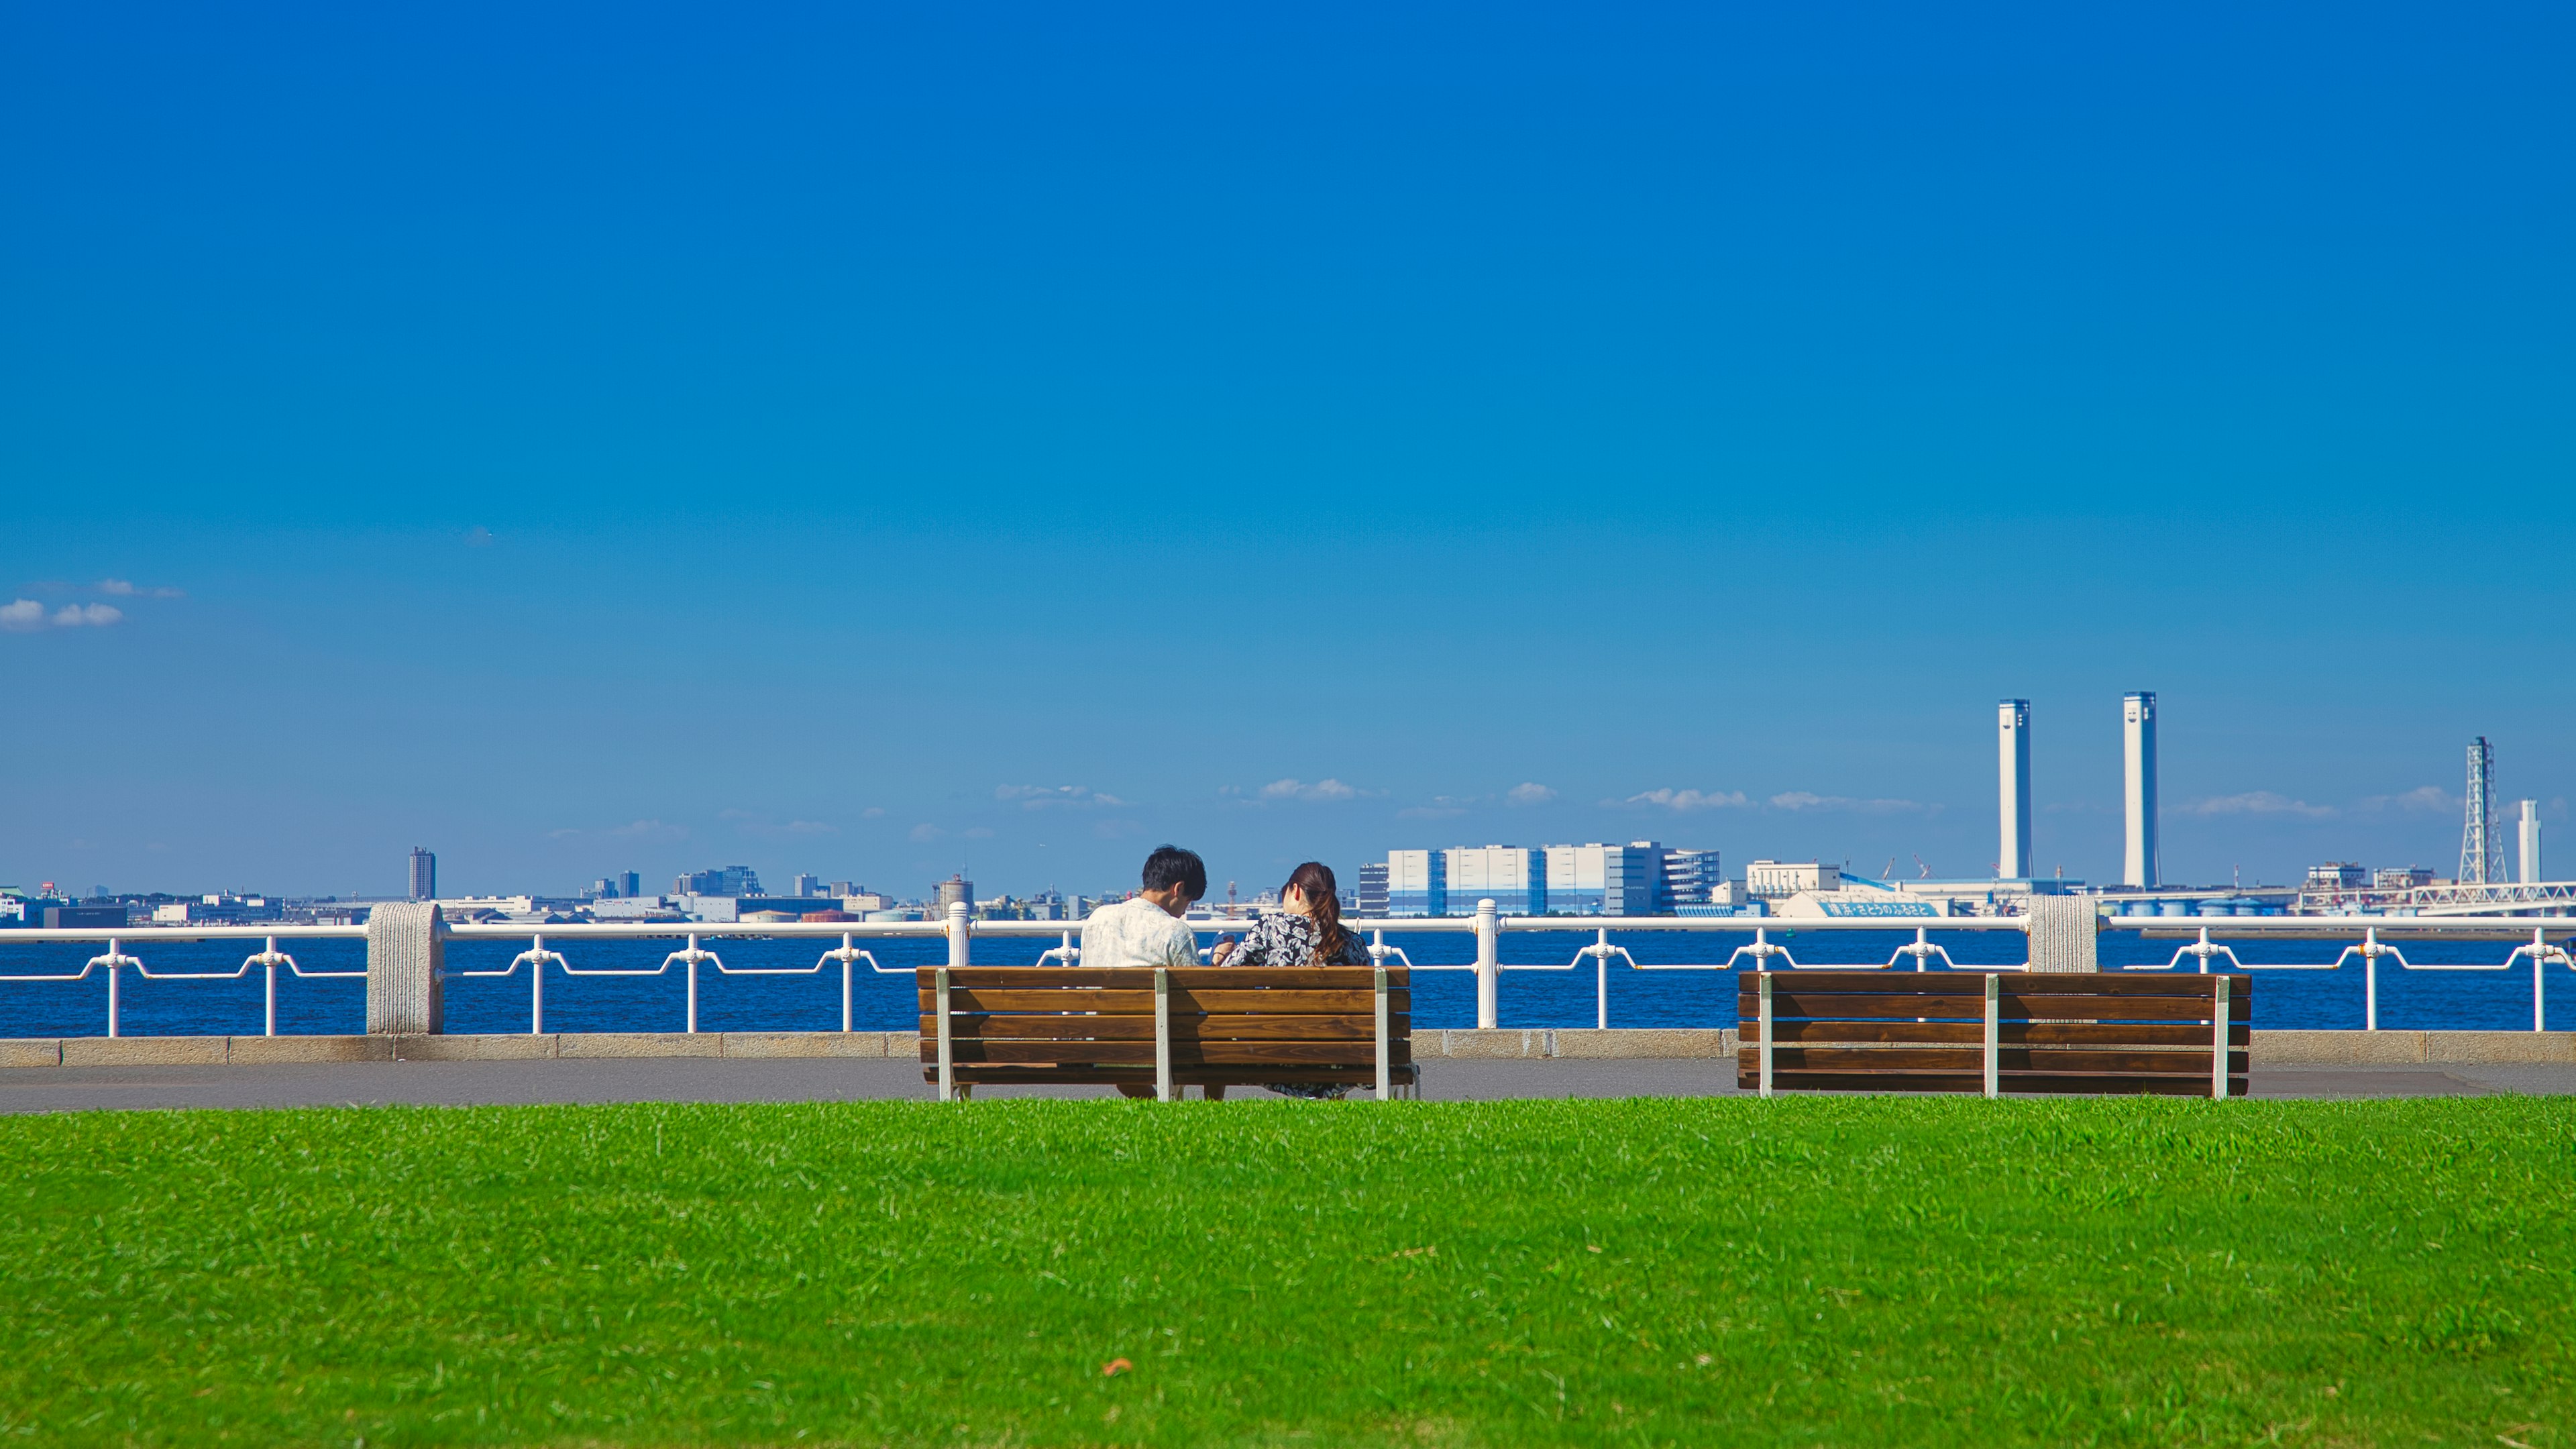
[826, 1080]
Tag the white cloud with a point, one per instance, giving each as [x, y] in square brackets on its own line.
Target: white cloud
[1530, 793]
[2256, 802]
[1300, 790]
[632, 830]
[873, 811]
[1041, 797]
[1683, 801]
[1805, 800]
[22, 616]
[927, 831]
[127, 589]
[2424, 799]
[1686, 800]
[817, 827]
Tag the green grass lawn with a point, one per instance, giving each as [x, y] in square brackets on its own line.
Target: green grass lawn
[1817, 1271]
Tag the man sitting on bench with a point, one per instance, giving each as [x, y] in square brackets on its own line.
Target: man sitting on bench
[1146, 929]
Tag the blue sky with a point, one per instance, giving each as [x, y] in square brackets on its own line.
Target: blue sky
[879, 440]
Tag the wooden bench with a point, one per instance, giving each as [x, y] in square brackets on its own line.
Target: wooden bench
[1993, 1032]
[1165, 1028]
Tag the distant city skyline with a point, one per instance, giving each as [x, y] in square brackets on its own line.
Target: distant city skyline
[879, 440]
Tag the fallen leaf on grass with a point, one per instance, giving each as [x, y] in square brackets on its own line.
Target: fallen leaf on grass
[1114, 1368]
[1413, 1252]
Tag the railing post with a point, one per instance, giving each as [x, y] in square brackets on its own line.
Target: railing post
[1162, 1034]
[537, 986]
[1922, 947]
[113, 952]
[849, 954]
[1601, 977]
[959, 930]
[406, 968]
[2370, 979]
[1489, 961]
[268, 1025]
[2539, 972]
[692, 959]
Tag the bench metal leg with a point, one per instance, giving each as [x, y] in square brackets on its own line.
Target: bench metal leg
[1994, 1035]
[1382, 1073]
[2218, 1050]
[947, 1067]
[1162, 1034]
[1764, 1025]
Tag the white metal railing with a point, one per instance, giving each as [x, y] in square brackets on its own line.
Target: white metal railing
[268, 957]
[2370, 948]
[1487, 927]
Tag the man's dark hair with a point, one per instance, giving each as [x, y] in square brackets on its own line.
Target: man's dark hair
[1170, 866]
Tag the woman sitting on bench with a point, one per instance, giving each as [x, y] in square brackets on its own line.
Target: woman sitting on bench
[1306, 931]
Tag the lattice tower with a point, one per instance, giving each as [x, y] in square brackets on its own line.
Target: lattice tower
[2482, 859]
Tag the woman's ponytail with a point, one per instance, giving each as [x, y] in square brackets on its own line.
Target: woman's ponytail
[1314, 881]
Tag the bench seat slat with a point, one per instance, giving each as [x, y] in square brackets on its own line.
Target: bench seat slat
[2009, 1033]
[1129, 1003]
[991, 1074]
[1214, 1053]
[1141, 978]
[2028, 983]
[1971, 1059]
[1080, 1026]
[1789, 1000]
[2010, 1082]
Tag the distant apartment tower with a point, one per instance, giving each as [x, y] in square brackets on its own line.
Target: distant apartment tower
[1606, 880]
[958, 890]
[1372, 892]
[732, 880]
[2012, 855]
[1513, 877]
[807, 885]
[629, 884]
[2528, 829]
[1417, 883]
[2143, 865]
[424, 875]
[1693, 877]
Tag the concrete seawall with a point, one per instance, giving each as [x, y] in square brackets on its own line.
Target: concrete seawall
[2271, 1048]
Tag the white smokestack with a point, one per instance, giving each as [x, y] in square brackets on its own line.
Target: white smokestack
[2143, 866]
[2529, 831]
[2012, 858]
